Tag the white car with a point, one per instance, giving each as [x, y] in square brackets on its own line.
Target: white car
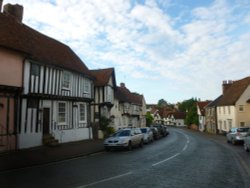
[236, 135]
[247, 142]
[147, 135]
[124, 138]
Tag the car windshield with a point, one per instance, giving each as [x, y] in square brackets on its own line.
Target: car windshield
[243, 129]
[122, 133]
[143, 130]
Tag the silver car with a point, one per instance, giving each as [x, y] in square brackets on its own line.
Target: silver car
[236, 135]
[124, 138]
[147, 135]
[247, 142]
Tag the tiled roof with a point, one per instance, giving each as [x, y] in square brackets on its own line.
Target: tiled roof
[38, 47]
[201, 106]
[234, 92]
[124, 95]
[102, 76]
[178, 115]
[215, 102]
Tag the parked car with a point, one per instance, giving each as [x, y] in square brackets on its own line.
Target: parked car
[236, 135]
[247, 142]
[162, 129]
[124, 138]
[147, 135]
[156, 134]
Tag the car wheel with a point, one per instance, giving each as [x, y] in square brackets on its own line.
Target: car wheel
[233, 142]
[141, 144]
[129, 146]
[246, 148]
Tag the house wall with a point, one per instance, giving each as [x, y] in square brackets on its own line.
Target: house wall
[31, 130]
[243, 116]
[179, 123]
[11, 75]
[49, 82]
[117, 120]
[7, 123]
[226, 118]
[44, 91]
[211, 120]
[11, 68]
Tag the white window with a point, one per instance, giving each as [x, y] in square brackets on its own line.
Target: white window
[82, 112]
[225, 125]
[62, 112]
[86, 86]
[241, 108]
[228, 108]
[109, 94]
[66, 80]
[230, 124]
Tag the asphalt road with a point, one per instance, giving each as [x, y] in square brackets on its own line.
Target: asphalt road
[182, 159]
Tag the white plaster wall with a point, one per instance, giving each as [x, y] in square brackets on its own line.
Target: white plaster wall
[71, 135]
[29, 140]
[221, 116]
[245, 115]
[180, 123]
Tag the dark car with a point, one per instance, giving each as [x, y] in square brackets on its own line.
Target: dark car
[162, 129]
[156, 133]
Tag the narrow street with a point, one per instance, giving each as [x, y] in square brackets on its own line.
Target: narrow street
[182, 159]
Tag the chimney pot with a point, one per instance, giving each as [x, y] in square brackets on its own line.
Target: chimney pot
[226, 85]
[122, 84]
[15, 11]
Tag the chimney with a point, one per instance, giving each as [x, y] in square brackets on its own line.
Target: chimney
[122, 85]
[16, 11]
[226, 85]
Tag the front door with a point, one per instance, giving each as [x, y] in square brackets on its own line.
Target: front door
[46, 120]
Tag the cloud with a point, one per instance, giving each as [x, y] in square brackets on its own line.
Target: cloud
[183, 50]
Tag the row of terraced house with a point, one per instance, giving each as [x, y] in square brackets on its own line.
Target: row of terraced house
[46, 91]
[230, 109]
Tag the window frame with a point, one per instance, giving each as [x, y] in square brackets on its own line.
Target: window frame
[34, 69]
[59, 113]
[241, 108]
[84, 113]
[68, 82]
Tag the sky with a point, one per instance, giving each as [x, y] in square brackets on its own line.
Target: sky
[164, 49]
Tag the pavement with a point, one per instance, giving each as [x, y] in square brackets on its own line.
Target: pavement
[43, 155]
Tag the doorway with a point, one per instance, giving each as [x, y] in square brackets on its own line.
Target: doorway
[46, 120]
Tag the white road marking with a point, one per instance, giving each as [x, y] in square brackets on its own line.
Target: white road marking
[184, 149]
[104, 180]
[188, 141]
[166, 159]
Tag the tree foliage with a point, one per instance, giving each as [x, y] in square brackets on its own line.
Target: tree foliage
[149, 119]
[189, 106]
[162, 103]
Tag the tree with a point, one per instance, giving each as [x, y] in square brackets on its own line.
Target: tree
[189, 106]
[162, 103]
[149, 119]
[192, 116]
[104, 126]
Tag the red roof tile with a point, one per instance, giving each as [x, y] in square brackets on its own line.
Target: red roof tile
[38, 47]
[102, 76]
[202, 105]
